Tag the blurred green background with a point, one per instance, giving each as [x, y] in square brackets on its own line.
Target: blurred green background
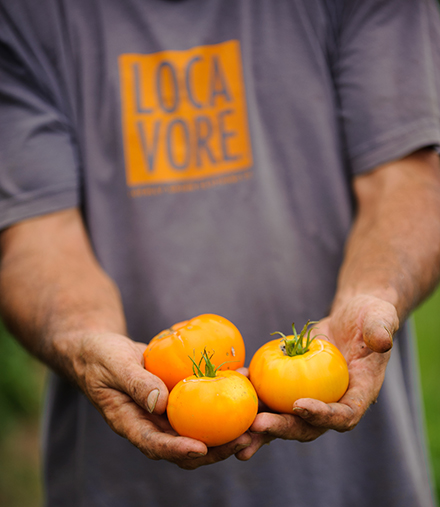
[22, 382]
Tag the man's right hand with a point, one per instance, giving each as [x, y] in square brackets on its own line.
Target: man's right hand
[133, 402]
[73, 320]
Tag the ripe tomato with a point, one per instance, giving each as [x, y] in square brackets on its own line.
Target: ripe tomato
[214, 408]
[168, 353]
[316, 369]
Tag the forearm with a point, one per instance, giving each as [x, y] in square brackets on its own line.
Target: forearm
[393, 252]
[66, 310]
[52, 290]
[392, 261]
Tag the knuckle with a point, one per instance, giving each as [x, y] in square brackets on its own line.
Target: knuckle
[148, 451]
[349, 426]
[308, 438]
[145, 443]
[91, 378]
[287, 425]
[311, 434]
[132, 385]
[243, 457]
[220, 455]
[187, 465]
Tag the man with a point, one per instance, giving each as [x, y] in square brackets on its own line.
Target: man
[266, 161]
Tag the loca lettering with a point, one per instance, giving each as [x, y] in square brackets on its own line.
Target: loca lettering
[184, 114]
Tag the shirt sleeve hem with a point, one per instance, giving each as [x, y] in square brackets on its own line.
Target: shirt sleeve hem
[395, 145]
[32, 204]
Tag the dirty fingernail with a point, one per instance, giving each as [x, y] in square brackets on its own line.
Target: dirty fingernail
[152, 400]
[192, 454]
[300, 411]
[240, 447]
[390, 334]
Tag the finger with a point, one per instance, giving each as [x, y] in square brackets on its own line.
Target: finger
[285, 426]
[342, 416]
[336, 416]
[114, 361]
[222, 452]
[158, 445]
[219, 453]
[125, 375]
[141, 347]
[151, 434]
[379, 326]
[147, 390]
[258, 441]
[244, 371]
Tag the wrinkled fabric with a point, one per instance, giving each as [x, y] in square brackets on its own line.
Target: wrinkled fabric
[211, 146]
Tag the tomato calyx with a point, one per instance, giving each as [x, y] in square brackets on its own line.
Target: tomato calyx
[210, 368]
[294, 345]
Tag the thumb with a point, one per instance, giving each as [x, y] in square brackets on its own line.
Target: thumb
[147, 390]
[379, 326]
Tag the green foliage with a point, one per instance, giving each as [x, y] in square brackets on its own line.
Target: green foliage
[21, 380]
[21, 388]
[427, 322]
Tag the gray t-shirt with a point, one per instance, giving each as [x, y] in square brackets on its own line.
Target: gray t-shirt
[211, 145]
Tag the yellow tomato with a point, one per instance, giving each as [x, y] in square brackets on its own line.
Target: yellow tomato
[280, 379]
[215, 410]
[168, 353]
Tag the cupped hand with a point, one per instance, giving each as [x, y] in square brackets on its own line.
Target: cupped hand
[363, 330]
[133, 402]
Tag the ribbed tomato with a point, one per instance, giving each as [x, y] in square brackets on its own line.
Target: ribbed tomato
[215, 407]
[168, 353]
[283, 371]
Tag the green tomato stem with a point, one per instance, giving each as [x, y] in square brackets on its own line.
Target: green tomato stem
[210, 368]
[295, 345]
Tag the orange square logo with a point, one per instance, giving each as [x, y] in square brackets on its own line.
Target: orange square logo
[184, 115]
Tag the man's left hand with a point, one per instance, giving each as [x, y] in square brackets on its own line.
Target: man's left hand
[363, 330]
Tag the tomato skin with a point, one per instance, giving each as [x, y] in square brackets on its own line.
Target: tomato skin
[280, 380]
[213, 410]
[168, 353]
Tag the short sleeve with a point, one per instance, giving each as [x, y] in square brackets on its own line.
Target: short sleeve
[386, 74]
[38, 159]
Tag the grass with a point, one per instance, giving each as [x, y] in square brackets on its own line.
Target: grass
[427, 321]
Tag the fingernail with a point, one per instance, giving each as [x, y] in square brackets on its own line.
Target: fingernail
[192, 454]
[300, 411]
[240, 447]
[390, 334]
[152, 400]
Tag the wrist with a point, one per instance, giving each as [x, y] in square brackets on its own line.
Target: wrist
[384, 293]
[75, 351]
